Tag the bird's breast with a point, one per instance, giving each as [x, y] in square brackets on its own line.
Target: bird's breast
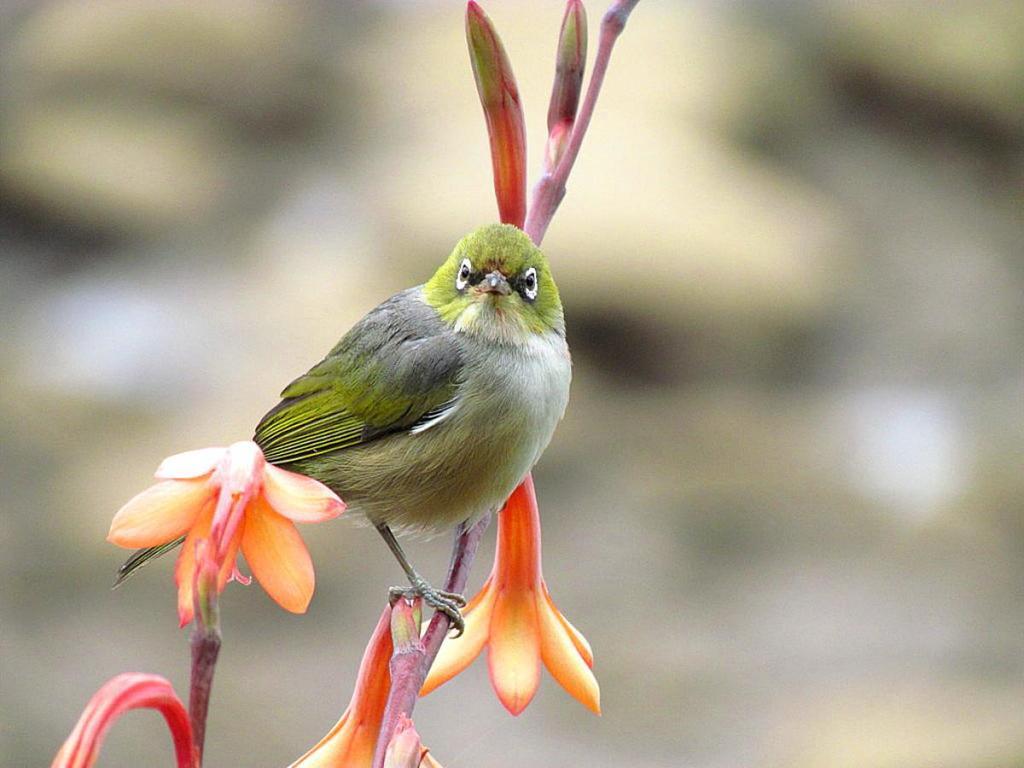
[510, 400]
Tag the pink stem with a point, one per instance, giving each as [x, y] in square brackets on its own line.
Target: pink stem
[406, 660]
[467, 541]
[550, 190]
[205, 644]
[410, 667]
[204, 641]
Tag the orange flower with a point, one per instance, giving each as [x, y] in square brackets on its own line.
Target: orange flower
[234, 498]
[513, 615]
[120, 694]
[351, 742]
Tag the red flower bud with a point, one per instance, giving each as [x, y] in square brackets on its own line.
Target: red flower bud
[503, 113]
[119, 695]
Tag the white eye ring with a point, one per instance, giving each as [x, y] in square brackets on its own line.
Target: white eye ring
[462, 277]
[530, 284]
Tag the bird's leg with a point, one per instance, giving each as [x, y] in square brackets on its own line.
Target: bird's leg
[448, 603]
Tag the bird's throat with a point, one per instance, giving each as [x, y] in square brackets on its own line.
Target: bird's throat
[495, 320]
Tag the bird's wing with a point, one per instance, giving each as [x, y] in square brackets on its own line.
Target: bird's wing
[398, 369]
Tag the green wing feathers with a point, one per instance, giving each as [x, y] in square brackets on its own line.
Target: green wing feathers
[304, 427]
[140, 557]
[398, 365]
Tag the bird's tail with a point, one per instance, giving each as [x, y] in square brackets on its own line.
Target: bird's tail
[142, 556]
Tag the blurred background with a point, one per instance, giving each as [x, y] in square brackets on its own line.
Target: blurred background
[786, 504]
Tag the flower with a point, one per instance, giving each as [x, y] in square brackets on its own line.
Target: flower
[570, 62]
[234, 498]
[405, 749]
[499, 97]
[120, 694]
[353, 739]
[514, 615]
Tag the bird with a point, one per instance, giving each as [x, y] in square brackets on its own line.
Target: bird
[434, 406]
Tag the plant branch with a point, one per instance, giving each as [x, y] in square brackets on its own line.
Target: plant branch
[467, 541]
[410, 665]
[205, 649]
[205, 643]
[549, 191]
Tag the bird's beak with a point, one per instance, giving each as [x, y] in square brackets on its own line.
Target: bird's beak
[495, 282]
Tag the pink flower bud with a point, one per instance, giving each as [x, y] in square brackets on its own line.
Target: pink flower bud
[570, 62]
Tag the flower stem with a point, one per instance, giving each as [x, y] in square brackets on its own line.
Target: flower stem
[467, 541]
[406, 661]
[205, 649]
[549, 191]
[205, 643]
[411, 663]
[413, 657]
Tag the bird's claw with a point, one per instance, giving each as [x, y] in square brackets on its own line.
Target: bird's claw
[447, 603]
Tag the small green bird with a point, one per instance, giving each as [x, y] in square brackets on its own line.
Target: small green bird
[434, 406]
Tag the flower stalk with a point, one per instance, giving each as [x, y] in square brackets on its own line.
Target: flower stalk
[549, 191]
[404, 691]
[222, 502]
[205, 641]
[406, 661]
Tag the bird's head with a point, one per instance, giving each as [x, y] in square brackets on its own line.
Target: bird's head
[497, 285]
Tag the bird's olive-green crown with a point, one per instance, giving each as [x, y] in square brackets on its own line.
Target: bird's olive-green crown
[497, 283]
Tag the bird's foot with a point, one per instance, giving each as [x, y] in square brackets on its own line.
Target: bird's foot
[447, 603]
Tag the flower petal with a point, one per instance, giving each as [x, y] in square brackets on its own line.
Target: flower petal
[185, 567]
[343, 745]
[277, 557]
[351, 742]
[298, 497]
[160, 513]
[577, 637]
[458, 653]
[183, 466]
[230, 564]
[514, 657]
[563, 658]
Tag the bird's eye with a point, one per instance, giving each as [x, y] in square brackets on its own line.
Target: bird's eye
[530, 284]
[462, 279]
